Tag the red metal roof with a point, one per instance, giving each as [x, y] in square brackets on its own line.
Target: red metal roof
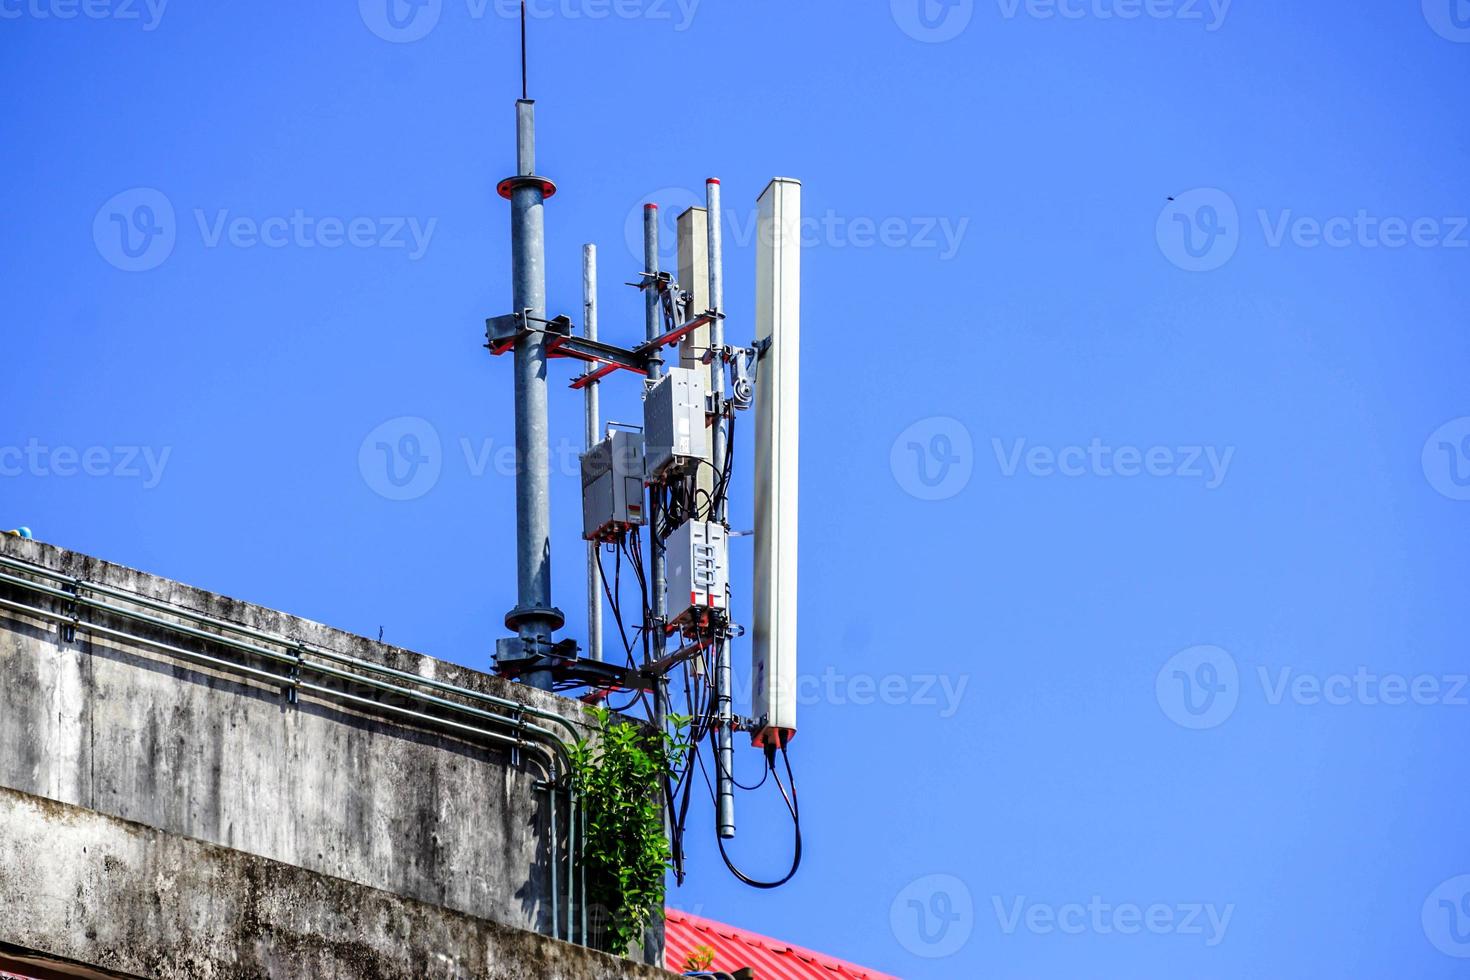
[770, 959]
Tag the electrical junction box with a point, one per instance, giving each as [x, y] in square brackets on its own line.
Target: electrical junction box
[698, 560]
[674, 428]
[612, 487]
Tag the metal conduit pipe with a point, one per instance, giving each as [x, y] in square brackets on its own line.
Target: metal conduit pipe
[65, 620]
[545, 743]
[516, 706]
[253, 633]
[295, 661]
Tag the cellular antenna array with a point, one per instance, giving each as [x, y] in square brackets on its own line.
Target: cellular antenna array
[669, 478]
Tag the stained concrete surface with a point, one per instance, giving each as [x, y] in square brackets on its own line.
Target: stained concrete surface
[118, 728]
[140, 902]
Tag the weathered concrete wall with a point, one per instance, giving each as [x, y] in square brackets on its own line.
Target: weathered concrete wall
[125, 731]
[131, 899]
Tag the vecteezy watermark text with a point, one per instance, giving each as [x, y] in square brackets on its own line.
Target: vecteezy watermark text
[148, 13]
[1100, 918]
[937, 21]
[1200, 687]
[942, 691]
[301, 230]
[1363, 230]
[404, 21]
[944, 236]
[1201, 230]
[1210, 13]
[1208, 464]
[1363, 686]
[137, 230]
[934, 917]
[404, 457]
[36, 459]
[934, 459]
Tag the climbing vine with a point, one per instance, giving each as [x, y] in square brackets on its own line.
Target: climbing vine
[619, 775]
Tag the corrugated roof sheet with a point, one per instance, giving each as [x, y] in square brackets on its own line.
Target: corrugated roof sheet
[771, 959]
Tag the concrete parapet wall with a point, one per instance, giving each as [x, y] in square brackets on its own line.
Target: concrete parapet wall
[87, 888]
[113, 726]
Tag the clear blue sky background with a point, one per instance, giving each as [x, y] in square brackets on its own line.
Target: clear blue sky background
[1332, 542]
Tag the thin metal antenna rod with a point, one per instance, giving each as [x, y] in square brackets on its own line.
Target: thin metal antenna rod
[524, 88]
[724, 681]
[717, 304]
[594, 573]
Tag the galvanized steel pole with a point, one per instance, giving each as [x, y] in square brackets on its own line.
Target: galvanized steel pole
[654, 327]
[534, 618]
[594, 573]
[724, 700]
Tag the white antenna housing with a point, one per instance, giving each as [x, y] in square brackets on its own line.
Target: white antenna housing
[778, 334]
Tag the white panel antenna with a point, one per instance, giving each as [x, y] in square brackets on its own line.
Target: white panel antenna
[778, 337]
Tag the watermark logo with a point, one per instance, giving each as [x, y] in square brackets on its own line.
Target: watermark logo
[400, 21]
[1199, 687]
[933, 917]
[933, 21]
[1449, 18]
[1207, 464]
[404, 21]
[1097, 917]
[933, 459]
[1211, 13]
[1446, 459]
[942, 691]
[1362, 230]
[37, 459]
[135, 230]
[1363, 687]
[679, 13]
[402, 458]
[1446, 917]
[302, 230]
[1199, 230]
[829, 229]
[149, 13]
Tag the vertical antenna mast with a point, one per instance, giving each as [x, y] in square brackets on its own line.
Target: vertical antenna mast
[724, 677]
[534, 618]
[594, 424]
[653, 324]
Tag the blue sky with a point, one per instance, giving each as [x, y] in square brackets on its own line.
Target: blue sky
[1134, 530]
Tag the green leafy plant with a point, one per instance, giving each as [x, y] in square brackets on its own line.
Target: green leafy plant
[699, 959]
[619, 775]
